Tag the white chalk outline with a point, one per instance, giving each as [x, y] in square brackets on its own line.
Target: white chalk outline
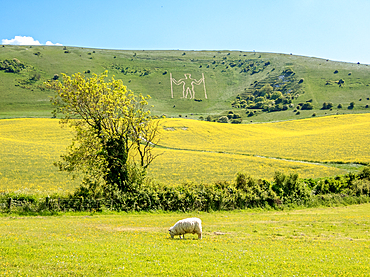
[186, 86]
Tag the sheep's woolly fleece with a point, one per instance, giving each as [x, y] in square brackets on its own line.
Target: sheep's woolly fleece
[187, 226]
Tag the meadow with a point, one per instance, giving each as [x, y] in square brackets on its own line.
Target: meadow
[148, 72]
[195, 151]
[311, 242]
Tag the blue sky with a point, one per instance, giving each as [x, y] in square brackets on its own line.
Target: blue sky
[337, 30]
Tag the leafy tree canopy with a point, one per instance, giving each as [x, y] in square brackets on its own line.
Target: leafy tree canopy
[114, 134]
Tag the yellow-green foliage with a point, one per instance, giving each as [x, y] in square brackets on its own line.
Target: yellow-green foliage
[341, 138]
[309, 242]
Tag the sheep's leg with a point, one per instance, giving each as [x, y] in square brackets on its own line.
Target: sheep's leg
[199, 236]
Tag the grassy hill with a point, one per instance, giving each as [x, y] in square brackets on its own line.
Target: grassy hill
[233, 81]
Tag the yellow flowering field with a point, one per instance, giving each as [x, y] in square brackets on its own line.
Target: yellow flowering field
[340, 138]
[178, 166]
[28, 149]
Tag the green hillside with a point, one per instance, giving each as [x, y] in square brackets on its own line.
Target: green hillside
[255, 86]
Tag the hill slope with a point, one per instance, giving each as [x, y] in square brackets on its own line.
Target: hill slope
[257, 86]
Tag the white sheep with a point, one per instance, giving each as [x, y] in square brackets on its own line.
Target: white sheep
[188, 225]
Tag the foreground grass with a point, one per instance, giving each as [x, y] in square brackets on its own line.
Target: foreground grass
[310, 242]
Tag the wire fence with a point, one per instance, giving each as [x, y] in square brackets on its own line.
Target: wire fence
[58, 204]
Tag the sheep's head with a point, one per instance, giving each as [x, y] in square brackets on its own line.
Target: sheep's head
[171, 233]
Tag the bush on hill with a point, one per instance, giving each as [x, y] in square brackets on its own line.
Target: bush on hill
[12, 66]
[223, 119]
[307, 106]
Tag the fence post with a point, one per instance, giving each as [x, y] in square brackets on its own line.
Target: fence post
[47, 202]
[9, 202]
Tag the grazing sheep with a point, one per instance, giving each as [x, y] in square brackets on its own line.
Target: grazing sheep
[188, 225]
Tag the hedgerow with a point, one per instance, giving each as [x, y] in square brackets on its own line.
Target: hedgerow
[245, 192]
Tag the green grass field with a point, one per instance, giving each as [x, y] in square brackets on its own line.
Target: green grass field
[148, 72]
[310, 242]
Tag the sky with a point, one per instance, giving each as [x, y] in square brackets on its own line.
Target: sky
[336, 30]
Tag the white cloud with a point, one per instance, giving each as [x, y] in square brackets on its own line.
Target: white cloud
[50, 43]
[19, 40]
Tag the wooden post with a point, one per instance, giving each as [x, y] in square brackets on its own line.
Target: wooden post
[47, 202]
[9, 203]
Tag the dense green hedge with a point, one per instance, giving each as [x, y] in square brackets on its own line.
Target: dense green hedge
[244, 192]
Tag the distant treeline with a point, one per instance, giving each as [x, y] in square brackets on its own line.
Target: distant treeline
[245, 192]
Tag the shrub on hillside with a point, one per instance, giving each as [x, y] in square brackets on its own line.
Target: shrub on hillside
[307, 106]
[236, 121]
[12, 66]
[327, 106]
[223, 119]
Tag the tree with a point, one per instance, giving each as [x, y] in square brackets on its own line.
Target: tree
[276, 95]
[114, 134]
[307, 106]
[266, 89]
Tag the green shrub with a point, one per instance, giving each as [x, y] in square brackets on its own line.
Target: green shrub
[289, 188]
[12, 66]
[307, 106]
[236, 121]
[223, 119]
[327, 106]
